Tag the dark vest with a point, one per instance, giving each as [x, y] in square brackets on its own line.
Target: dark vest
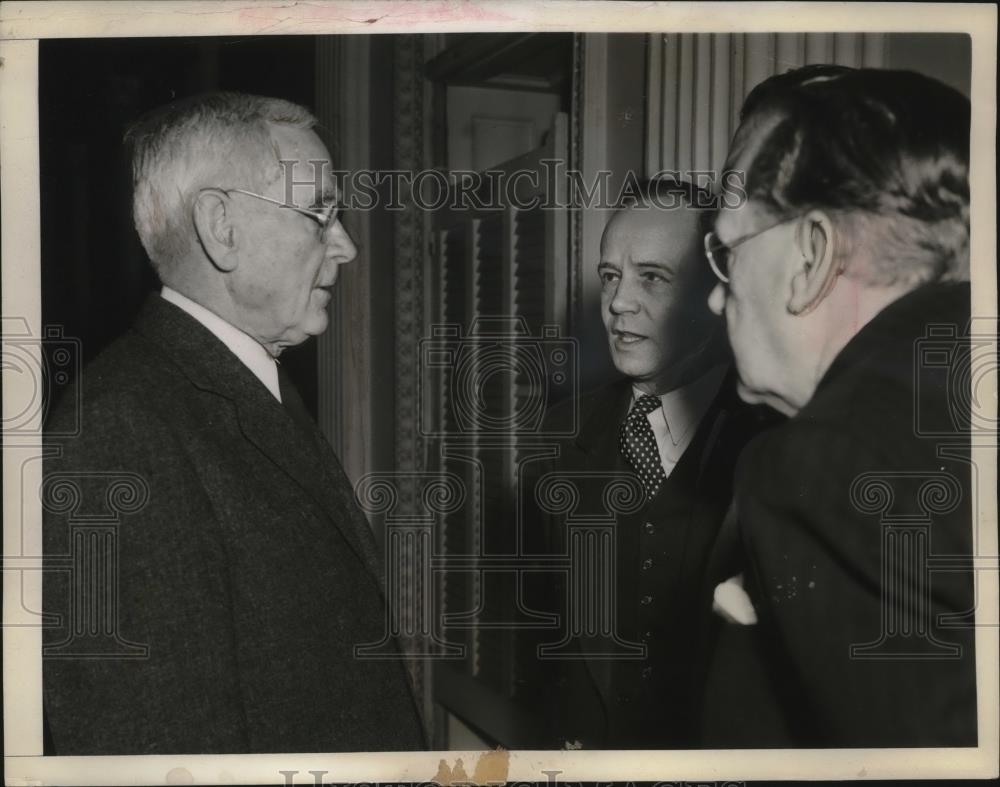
[661, 553]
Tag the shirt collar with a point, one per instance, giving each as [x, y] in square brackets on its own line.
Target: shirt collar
[242, 345]
[684, 407]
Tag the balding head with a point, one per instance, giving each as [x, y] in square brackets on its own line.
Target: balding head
[884, 153]
[654, 288]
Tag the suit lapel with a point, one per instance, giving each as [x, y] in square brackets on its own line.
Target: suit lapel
[336, 486]
[340, 492]
[263, 421]
[274, 432]
[701, 474]
[599, 434]
[598, 438]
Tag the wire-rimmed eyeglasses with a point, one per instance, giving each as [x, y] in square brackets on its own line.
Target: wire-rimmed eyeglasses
[720, 254]
[325, 217]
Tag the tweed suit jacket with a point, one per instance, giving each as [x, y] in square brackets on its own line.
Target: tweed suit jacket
[839, 512]
[661, 553]
[248, 574]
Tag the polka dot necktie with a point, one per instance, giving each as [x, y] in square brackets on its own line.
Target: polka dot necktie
[638, 444]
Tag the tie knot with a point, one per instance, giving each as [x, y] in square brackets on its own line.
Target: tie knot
[644, 405]
[638, 444]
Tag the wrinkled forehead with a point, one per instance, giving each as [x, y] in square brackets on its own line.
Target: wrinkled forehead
[305, 172]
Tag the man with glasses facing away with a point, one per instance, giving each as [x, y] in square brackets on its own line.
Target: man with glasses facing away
[249, 573]
[674, 423]
[851, 248]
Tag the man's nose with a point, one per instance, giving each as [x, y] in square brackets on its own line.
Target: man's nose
[341, 248]
[717, 299]
[625, 300]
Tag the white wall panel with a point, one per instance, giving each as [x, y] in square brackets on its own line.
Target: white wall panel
[698, 81]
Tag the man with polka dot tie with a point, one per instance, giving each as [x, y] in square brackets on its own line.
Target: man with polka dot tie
[675, 424]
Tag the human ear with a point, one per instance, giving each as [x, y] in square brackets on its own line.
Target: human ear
[214, 227]
[817, 271]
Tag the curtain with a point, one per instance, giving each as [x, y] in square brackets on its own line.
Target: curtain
[697, 83]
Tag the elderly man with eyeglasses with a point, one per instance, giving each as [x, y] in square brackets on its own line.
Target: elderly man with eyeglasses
[850, 622]
[246, 575]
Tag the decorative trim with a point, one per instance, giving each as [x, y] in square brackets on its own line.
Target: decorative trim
[409, 251]
[575, 286]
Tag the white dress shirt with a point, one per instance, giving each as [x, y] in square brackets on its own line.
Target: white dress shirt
[242, 345]
[681, 410]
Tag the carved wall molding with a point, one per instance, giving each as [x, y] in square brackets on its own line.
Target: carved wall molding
[409, 252]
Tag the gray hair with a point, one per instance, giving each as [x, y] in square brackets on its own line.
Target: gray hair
[217, 140]
[884, 153]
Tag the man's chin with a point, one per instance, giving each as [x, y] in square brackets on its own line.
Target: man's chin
[632, 360]
[748, 394]
[630, 367]
[318, 322]
[293, 337]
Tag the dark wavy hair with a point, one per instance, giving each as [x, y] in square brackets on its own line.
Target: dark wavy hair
[885, 153]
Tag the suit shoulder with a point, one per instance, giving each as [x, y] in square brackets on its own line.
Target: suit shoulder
[577, 410]
[882, 382]
[133, 362]
[815, 461]
[128, 383]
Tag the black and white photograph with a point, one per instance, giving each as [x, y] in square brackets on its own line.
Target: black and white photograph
[470, 392]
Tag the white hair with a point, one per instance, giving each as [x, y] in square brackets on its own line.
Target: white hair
[900, 250]
[216, 140]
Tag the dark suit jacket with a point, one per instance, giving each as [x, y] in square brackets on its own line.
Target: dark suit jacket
[249, 573]
[813, 546]
[662, 549]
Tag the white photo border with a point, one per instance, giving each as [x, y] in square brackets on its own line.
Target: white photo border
[23, 23]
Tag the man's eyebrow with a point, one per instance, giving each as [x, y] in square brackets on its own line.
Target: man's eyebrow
[660, 266]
